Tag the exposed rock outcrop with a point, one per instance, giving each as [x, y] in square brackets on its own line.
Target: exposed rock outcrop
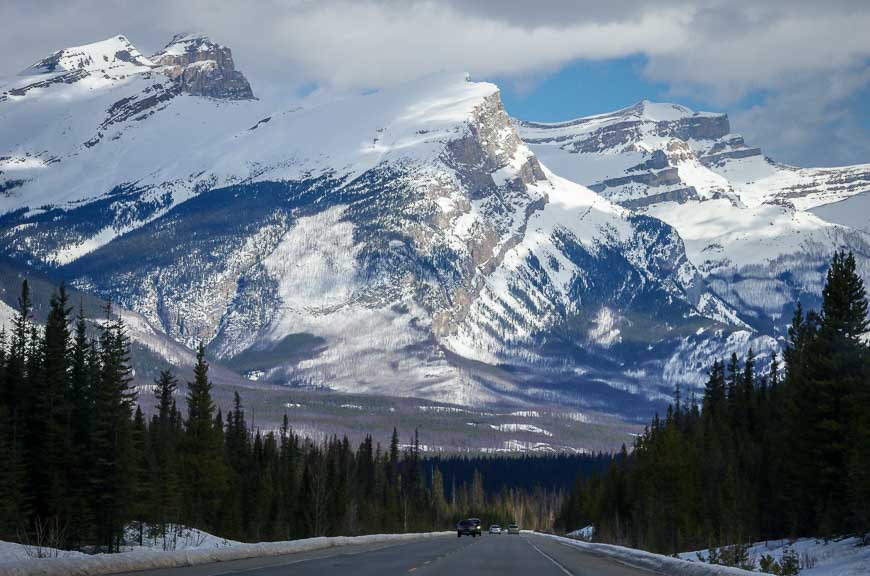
[203, 68]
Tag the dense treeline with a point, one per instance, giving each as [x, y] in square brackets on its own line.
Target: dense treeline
[84, 468]
[524, 471]
[784, 453]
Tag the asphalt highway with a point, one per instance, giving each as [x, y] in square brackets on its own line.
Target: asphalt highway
[500, 555]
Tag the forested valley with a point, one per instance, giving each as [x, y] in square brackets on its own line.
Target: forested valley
[86, 469]
[772, 448]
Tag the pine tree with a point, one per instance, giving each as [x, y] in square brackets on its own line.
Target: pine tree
[50, 438]
[12, 505]
[80, 431]
[143, 502]
[15, 392]
[834, 367]
[394, 455]
[13, 510]
[164, 434]
[114, 462]
[203, 462]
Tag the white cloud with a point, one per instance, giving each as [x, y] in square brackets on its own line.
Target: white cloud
[350, 44]
[714, 50]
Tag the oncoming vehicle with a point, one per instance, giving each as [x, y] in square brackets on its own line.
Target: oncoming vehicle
[495, 529]
[513, 529]
[468, 527]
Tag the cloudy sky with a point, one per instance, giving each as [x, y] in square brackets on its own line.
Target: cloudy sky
[794, 75]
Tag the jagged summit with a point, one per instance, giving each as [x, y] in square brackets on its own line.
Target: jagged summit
[195, 63]
[184, 42]
[203, 67]
[113, 56]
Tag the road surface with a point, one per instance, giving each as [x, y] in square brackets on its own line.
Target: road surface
[488, 555]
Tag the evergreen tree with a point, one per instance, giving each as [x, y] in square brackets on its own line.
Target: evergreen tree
[144, 500]
[78, 429]
[114, 461]
[51, 407]
[12, 504]
[203, 463]
[828, 374]
[164, 434]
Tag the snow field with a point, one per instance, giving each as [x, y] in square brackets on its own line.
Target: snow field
[836, 557]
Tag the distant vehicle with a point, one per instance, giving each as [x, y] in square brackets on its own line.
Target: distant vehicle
[513, 529]
[468, 527]
[495, 529]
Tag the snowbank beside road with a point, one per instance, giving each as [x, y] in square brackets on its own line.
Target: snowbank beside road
[650, 561]
[144, 559]
[14, 552]
[835, 557]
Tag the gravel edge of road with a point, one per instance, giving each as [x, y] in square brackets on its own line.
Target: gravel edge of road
[136, 560]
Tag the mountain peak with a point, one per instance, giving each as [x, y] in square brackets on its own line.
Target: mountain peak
[203, 67]
[114, 56]
[187, 42]
[663, 111]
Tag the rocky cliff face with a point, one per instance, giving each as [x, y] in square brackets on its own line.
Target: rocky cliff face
[203, 68]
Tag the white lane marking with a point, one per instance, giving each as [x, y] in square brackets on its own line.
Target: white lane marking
[555, 562]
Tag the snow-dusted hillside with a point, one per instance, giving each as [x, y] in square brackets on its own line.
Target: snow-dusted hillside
[844, 556]
[744, 218]
[405, 242]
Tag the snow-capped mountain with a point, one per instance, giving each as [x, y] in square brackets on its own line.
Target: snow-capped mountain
[653, 152]
[756, 229]
[404, 242]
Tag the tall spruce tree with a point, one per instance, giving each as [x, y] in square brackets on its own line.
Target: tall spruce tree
[164, 433]
[114, 461]
[51, 407]
[830, 375]
[13, 479]
[203, 459]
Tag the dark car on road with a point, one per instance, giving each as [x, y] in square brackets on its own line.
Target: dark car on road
[468, 527]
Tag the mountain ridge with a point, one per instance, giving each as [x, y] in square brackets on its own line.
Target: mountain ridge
[405, 242]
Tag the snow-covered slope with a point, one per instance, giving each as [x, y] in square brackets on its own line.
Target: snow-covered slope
[853, 212]
[844, 556]
[404, 242]
[743, 217]
[114, 58]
